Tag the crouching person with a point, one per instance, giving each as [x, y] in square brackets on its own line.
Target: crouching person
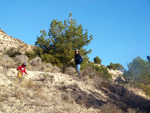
[21, 70]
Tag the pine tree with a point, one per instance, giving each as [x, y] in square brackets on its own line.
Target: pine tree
[59, 44]
[139, 70]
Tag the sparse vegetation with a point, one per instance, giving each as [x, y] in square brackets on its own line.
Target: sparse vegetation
[36, 64]
[88, 71]
[18, 93]
[56, 69]
[94, 70]
[7, 62]
[12, 52]
[70, 70]
[37, 61]
[21, 59]
[47, 67]
[29, 84]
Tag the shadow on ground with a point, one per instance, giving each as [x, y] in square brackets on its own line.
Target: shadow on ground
[125, 99]
[120, 99]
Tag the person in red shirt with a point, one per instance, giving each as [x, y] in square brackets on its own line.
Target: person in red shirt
[22, 70]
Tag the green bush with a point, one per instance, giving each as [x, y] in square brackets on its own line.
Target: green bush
[99, 71]
[12, 52]
[102, 72]
[30, 54]
[97, 60]
[116, 66]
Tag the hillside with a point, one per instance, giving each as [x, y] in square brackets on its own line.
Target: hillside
[46, 92]
[8, 42]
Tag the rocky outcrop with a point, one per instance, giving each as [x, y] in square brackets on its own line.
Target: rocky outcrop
[117, 76]
[8, 42]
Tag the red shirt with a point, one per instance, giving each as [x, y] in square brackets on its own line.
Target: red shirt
[22, 69]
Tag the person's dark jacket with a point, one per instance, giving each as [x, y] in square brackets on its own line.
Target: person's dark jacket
[78, 59]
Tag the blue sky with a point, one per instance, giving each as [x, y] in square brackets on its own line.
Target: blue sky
[121, 28]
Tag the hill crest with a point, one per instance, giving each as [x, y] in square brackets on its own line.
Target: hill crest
[7, 42]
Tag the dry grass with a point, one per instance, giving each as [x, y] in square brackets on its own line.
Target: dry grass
[67, 98]
[18, 93]
[110, 108]
[36, 61]
[97, 82]
[29, 89]
[6, 61]
[88, 71]
[36, 64]
[29, 84]
[47, 67]
[56, 69]
[21, 59]
[70, 70]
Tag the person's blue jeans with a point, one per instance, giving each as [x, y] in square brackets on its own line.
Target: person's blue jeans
[78, 68]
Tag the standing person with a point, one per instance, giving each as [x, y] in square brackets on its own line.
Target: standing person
[21, 69]
[78, 61]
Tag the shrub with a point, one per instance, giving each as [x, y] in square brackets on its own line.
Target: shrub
[30, 54]
[97, 60]
[36, 63]
[70, 70]
[94, 70]
[119, 67]
[6, 61]
[115, 66]
[88, 71]
[21, 59]
[12, 52]
[103, 72]
[29, 84]
[97, 81]
[47, 67]
[56, 69]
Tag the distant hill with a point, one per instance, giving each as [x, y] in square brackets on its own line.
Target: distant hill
[7, 42]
